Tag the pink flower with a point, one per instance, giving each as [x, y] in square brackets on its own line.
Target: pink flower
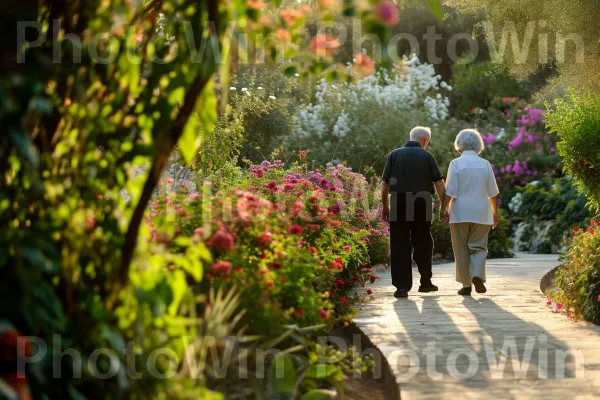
[221, 240]
[221, 267]
[324, 45]
[265, 239]
[387, 13]
[364, 64]
[559, 307]
[549, 302]
[599, 297]
[569, 314]
[347, 248]
[296, 229]
[91, 221]
[552, 149]
[199, 231]
[591, 230]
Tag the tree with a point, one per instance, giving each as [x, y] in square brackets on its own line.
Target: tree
[527, 35]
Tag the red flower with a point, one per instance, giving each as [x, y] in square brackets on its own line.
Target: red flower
[324, 45]
[265, 239]
[270, 283]
[576, 229]
[238, 270]
[591, 230]
[347, 248]
[373, 278]
[344, 299]
[323, 314]
[339, 283]
[275, 265]
[598, 297]
[312, 250]
[221, 267]
[296, 229]
[346, 323]
[300, 312]
[271, 186]
[301, 243]
[594, 222]
[91, 221]
[221, 240]
[369, 291]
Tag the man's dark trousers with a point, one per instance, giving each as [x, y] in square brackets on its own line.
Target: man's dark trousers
[410, 230]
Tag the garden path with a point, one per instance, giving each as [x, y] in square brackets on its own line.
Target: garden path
[472, 333]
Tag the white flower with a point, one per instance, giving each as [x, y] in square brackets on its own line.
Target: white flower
[244, 89]
[232, 88]
[259, 88]
[272, 97]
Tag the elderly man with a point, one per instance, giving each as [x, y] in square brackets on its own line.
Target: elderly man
[411, 176]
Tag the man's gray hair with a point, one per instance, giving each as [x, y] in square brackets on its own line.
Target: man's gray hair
[420, 133]
[469, 139]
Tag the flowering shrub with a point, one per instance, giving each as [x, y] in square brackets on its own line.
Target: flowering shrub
[391, 102]
[578, 280]
[295, 243]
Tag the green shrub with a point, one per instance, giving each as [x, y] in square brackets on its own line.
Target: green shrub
[477, 85]
[578, 279]
[577, 123]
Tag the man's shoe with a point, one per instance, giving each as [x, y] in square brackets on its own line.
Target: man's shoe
[428, 288]
[466, 291]
[479, 286]
[401, 293]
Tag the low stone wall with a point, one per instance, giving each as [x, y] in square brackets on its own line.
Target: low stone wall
[548, 279]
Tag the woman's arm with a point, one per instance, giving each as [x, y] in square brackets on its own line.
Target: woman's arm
[494, 203]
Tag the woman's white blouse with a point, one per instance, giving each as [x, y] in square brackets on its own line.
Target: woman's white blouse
[471, 183]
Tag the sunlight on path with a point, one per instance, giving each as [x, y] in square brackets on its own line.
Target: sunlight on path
[505, 344]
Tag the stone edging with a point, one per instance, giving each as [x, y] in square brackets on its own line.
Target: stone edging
[392, 391]
[548, 279]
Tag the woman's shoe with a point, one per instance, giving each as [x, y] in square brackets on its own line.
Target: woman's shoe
[466, 291]
[479, 286]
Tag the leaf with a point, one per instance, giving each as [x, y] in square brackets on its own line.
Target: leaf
[320, 395]
[284, 374]
[201, 123]
[320, 370]
[436, 9]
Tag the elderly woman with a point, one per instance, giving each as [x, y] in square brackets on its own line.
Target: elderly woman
[471, 194]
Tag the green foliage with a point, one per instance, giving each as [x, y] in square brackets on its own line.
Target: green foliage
[74, 258]
[577, 122]
[478, 85]
[578, 279]
[509, 21]
[556, 201]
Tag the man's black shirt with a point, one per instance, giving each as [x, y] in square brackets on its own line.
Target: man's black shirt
[411, 169]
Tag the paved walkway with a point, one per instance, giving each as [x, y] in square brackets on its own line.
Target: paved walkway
[505, 344]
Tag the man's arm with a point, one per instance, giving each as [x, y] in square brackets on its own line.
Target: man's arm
[385, 192]
[440, 189]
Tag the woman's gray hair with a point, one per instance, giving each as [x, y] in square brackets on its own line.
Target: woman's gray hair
[469, 139]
